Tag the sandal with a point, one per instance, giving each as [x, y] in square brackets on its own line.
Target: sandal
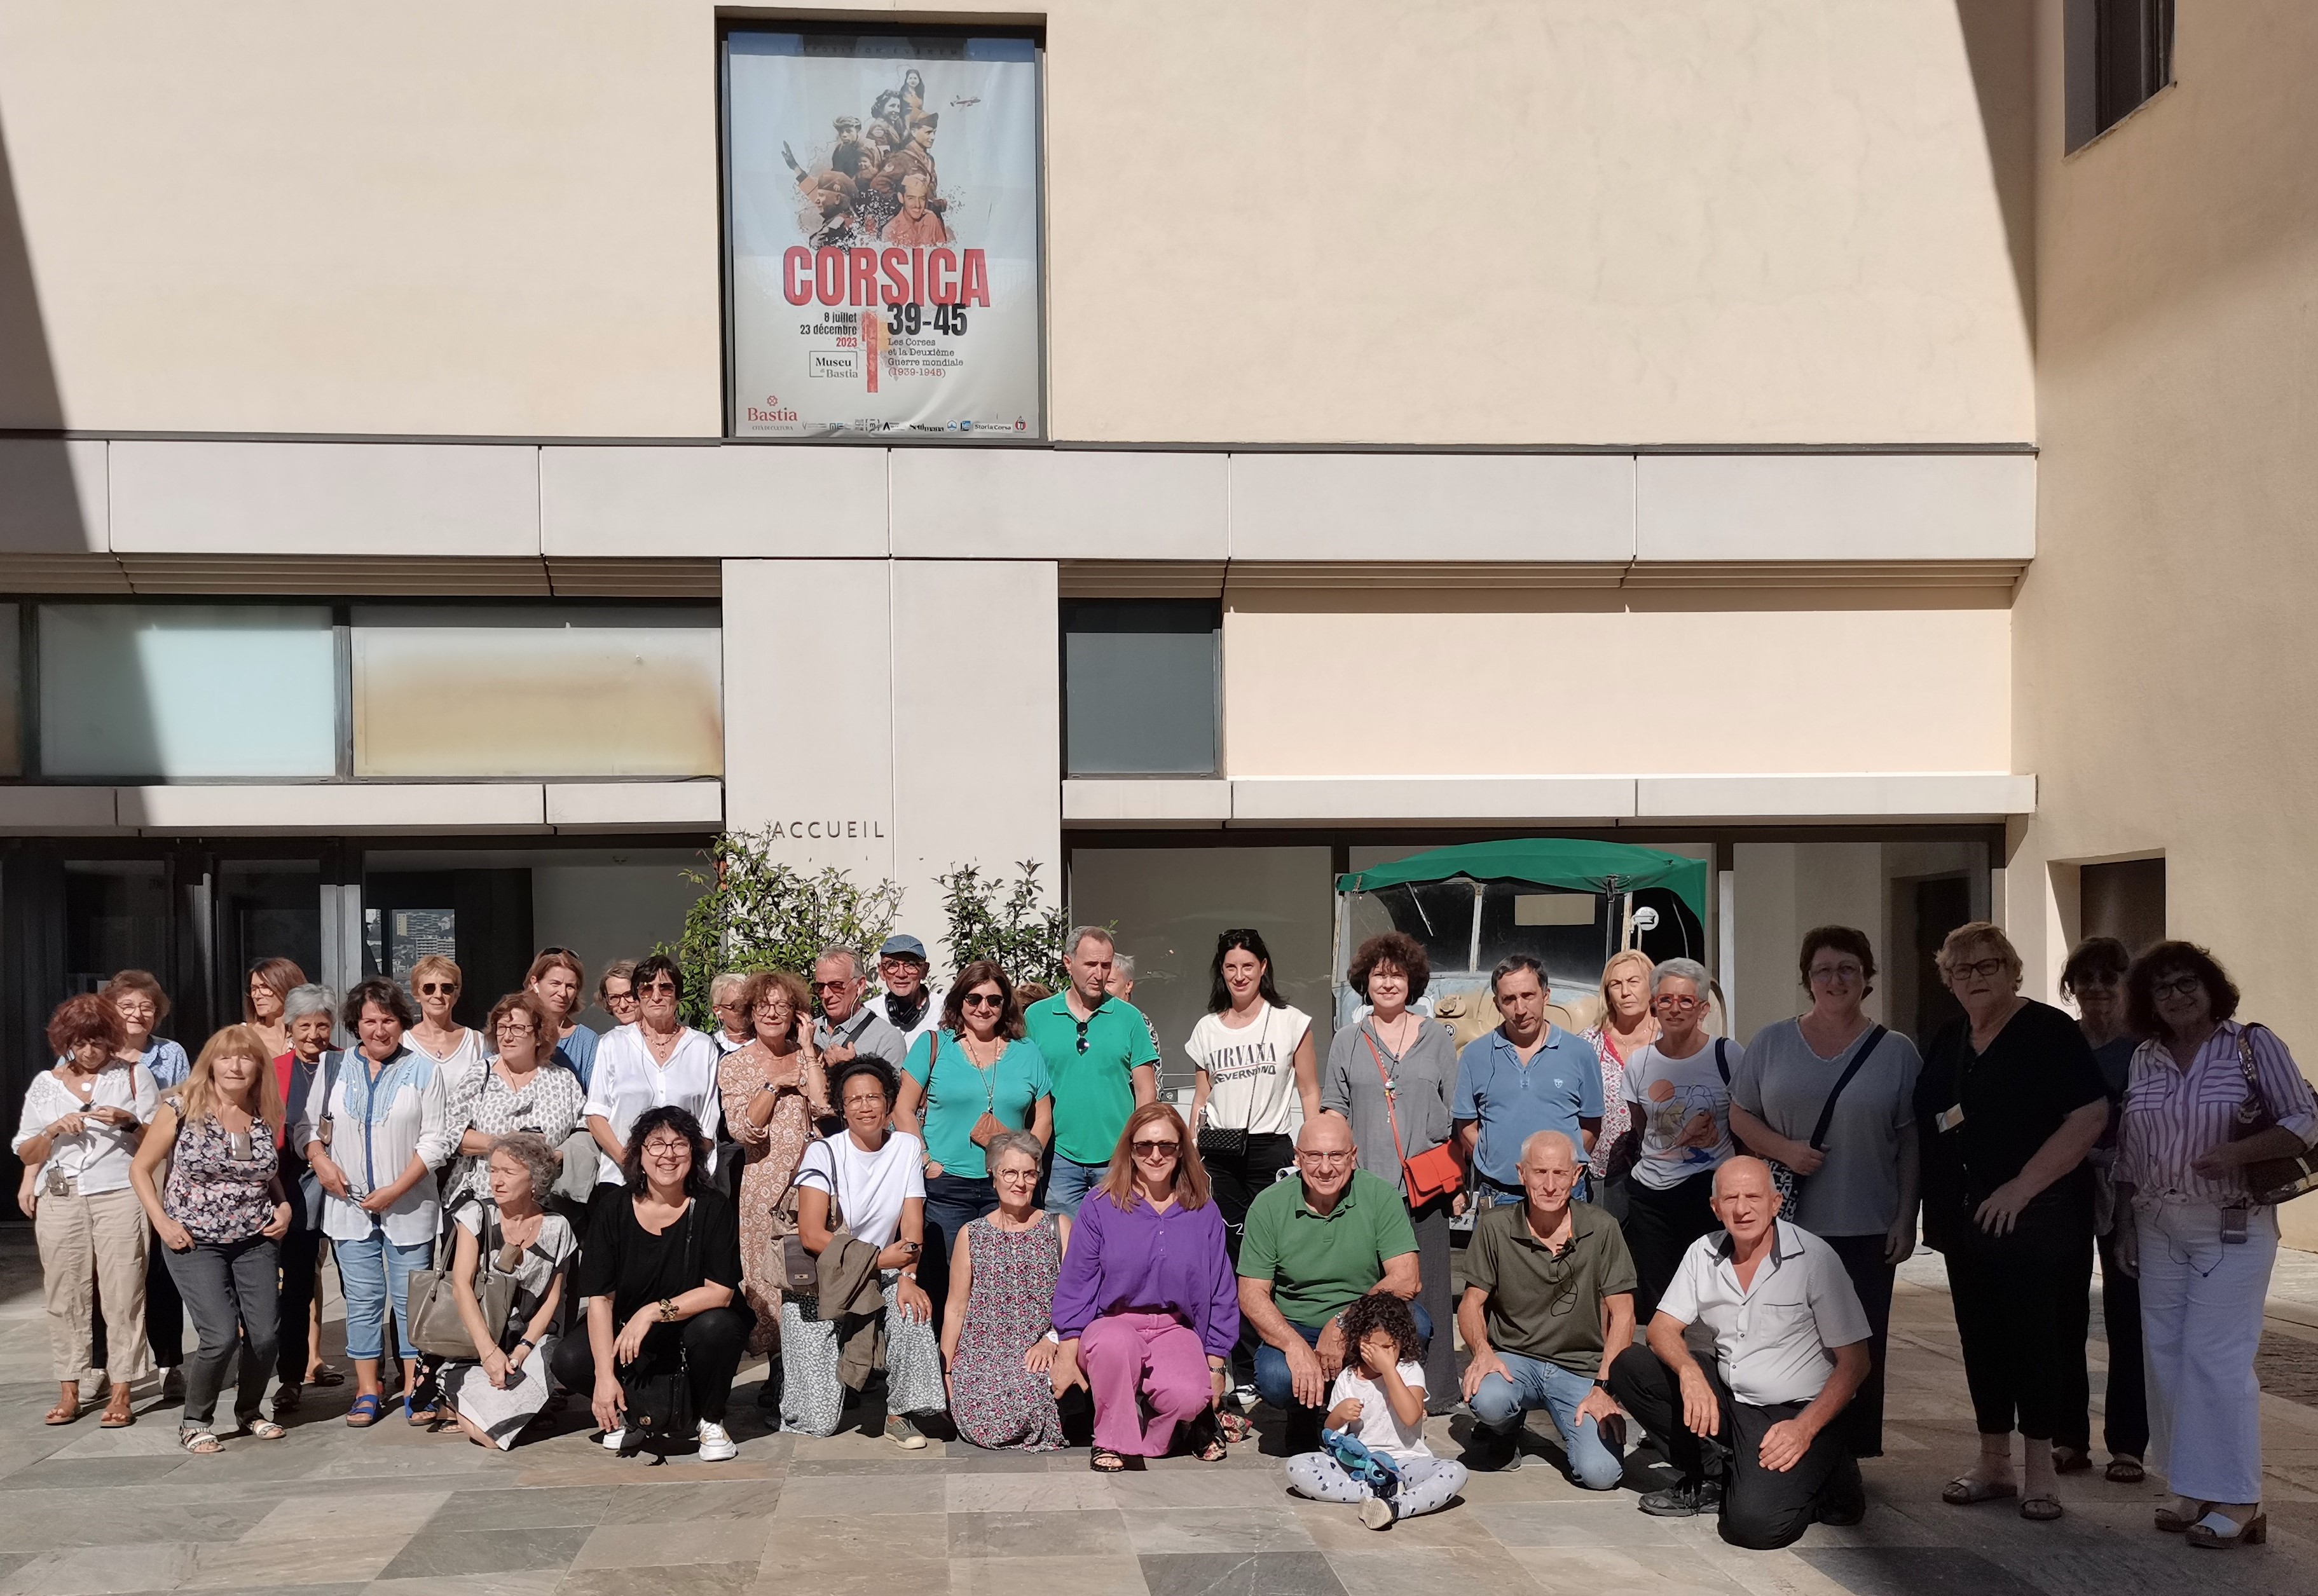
[286, 1399]
[418, 1417]
[2173, 1523]
[117, 1418]
[202, 1442]
[326, 1377]
[2124, 1471]
[64, 1412]
[1964, 1491]
[264, 1430]
[1103, 1461]
[1236, 1426]
[2253, 1532]
[1213, 1451]
[364, 1413]
[2070, 1460]
[2040, 1510]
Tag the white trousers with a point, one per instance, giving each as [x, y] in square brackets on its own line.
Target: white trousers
[2201, 1301]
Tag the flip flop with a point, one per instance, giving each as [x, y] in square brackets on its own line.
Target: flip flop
[364, 1413]
[2125, 1471]
[1966, 1492]
[62, 1414]
[2069, 1460]
[2040, 1510]
[1103, 1461]
[324, 1375]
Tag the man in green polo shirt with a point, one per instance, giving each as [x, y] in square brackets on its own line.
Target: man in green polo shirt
[1549, 1305]
[1103, 1063]
[1312, 1246]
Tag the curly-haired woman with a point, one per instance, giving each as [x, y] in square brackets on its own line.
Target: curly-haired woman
[1377, 1399]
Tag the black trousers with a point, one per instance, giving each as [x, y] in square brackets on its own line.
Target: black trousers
[1862, 1422]
[1761, 1510]
[710, 1343]
[1436, 1256]
[2125, 1427]
[302, 1265]
[2021, 1312]
[1237, 1179]
[1659, 1228]
[953, 1202]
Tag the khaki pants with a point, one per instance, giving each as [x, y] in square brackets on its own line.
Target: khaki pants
[96, 1242]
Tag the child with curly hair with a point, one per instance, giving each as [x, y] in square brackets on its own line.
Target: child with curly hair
[1379, 1399]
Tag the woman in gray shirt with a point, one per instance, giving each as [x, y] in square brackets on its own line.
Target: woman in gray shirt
[1858, 1186]
[1392, 1075]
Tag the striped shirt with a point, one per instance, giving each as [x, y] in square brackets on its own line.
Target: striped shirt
[2173, 1117]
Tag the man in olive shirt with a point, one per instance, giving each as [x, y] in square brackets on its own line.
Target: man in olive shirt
[1313, 1245]
[1549, 1305]
[1101, 1058]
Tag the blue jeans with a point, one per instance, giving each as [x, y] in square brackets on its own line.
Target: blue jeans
[376, 1275]
[1535, 1383]
[1068, 1183]
[1275, 1385]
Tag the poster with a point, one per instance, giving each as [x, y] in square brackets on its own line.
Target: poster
[883, 213]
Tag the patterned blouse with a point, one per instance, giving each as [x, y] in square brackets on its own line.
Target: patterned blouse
[221, 1192]
[1615, 1115]
[550, 1104]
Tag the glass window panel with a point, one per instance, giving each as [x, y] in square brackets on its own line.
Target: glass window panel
[12, 691]
[1139, 686]
[515, 692]
[179, 691]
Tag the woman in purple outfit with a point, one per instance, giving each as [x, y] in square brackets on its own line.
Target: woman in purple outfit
[1147, 1291]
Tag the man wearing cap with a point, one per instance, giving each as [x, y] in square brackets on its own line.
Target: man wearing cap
[916, 156]
[851, 155]
[911, 1005]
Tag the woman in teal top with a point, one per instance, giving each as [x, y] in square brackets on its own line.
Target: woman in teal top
[970, 1079]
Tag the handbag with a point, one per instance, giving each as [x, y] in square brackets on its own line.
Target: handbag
[2270, 1180]
[1431, 1175]
[786, 1258]
[1786, 1181]
[656, 1404]
[1628, 1150]
[436, 1328]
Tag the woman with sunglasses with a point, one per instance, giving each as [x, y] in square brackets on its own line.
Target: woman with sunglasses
[220, 1222]
[657, 1063]
[773, 1091]
[998, 1338]
[457, 1050]
[2010, 1103]
[1147, 1305]
[971, 1079]
[661, 1271]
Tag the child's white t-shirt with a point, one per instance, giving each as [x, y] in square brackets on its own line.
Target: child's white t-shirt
[1380, 1428]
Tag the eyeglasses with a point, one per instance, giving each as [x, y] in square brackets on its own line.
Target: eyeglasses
[983, 1001]
[1017, 1177]
[666, 1148]
[832, 986]
[509, 1027]
[2175, 986]
[1679, 1005]
[1979, 967]
[449, 989]
[1083, 1035]
[1835, 972]
[1156, 1149]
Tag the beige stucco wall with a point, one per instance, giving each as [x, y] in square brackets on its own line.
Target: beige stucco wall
[2166, 694]
[1492, 221]
[1580, 682]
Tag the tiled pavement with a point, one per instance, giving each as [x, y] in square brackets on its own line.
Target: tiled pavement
[395, 1510]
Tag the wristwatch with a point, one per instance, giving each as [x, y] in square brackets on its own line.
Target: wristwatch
[526, 1343]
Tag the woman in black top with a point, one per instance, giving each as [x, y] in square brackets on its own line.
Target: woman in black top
[2008, 1104]
[662, 1271]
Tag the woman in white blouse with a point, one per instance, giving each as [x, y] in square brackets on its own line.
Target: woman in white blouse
[79, 1134]
[458, 1051]
[375, 1128]
[1252, 1054]
[657, 1063]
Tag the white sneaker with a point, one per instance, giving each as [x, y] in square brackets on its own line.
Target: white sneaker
[1376, 1513]
[715, 1445]
[612, 1440]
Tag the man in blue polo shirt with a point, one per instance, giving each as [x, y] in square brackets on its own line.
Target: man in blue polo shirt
[1526, 1076]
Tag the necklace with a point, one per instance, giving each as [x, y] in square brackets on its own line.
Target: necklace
[1408, 1026]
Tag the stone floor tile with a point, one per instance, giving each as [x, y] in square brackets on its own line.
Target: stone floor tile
[534, 1582]
[93, 1474]
[252, 1565]
[833, 1544]
[1933, 1570]
[157, 1566]
[1612, 1523]
[1201, 1487]
[547, 1507]
[1040, 1492]
[685, 1500]
[1113, 1576]
[1239, 1573]
[1334, 1527]
[1623, 1571]
[436, 1552]
[865, 1576]
[324, 1517]
[679, 1579]
[811, 1496]
[703, 1540]
[1037, 1534]
[1216, 1531]
[1384, 1569]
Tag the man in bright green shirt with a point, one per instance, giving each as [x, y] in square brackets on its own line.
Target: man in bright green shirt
[1102, 1062]
[1313, 1246]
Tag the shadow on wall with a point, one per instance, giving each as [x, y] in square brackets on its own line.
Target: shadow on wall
[2000, 41]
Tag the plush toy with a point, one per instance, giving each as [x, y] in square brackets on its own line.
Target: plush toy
[1378, 1472]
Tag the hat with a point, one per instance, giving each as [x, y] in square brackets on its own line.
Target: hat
[901, 945]
[848, 125]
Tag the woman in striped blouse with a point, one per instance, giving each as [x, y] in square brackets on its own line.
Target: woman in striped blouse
[2201, 1245]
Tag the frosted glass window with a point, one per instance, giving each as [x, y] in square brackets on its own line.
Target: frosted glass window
[1140, 691]
[178, 691]
[537, 693]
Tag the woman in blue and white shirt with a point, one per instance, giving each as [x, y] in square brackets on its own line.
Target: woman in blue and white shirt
[375, 1128]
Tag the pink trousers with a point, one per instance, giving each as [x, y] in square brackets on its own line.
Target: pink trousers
[1153, 1356]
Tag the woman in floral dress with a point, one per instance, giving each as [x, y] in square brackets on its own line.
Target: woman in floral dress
[997, 1337]
[773, 1090]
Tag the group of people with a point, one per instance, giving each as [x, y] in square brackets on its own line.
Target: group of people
[974, 1198]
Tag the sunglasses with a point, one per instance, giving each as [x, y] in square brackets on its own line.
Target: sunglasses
[832, 986]
[983, 1001]
[657, 986]
[427, 988]
[1156, 1149]
[2178, 986]
[1083, 1035]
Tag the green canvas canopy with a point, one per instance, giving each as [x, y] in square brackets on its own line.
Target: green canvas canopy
[1546, 862]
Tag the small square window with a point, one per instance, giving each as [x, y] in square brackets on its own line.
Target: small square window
[1140, 687]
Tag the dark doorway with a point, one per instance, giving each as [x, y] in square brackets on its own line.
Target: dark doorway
[481, 919]
[1942, 904]
[2125, 901]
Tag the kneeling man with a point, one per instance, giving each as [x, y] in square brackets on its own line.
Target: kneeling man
[1754, 1435]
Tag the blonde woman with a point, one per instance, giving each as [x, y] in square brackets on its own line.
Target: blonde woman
[1626, 1026]
[457, 1050]
[264, 998]
[221, 1219]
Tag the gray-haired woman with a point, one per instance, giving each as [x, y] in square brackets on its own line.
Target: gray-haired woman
[496, 1396]
[1677, 1089]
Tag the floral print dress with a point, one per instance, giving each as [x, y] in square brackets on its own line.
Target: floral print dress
[994, 1400]
[770, 1158]
[222, 1186]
